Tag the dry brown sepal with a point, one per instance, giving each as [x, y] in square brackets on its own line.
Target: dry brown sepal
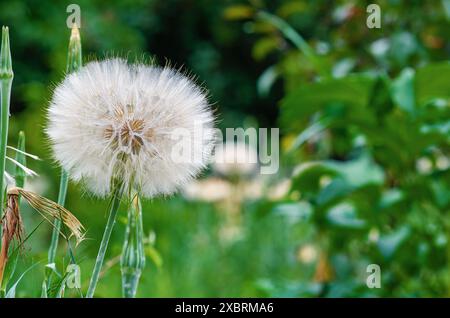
[12, 229]
[49, 210]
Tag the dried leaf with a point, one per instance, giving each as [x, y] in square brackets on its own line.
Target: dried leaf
[50, 210]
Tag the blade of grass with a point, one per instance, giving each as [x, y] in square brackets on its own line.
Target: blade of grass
[24, 153]
[6, 79]
[9, 271]
[12, 291]
[21, 159]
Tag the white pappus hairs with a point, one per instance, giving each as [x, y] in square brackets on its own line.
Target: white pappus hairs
[115, 121]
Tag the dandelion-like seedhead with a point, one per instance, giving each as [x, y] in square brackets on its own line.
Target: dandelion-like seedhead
[115, 121]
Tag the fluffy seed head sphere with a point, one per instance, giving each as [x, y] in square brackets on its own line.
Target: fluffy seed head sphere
[117, 121]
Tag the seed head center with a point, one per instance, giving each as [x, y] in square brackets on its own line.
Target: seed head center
[128, 135]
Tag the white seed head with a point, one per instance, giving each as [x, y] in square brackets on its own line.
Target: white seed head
[113, 120]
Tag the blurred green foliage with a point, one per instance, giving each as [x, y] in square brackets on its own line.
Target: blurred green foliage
[365, 141]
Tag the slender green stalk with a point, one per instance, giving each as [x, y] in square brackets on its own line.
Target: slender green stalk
[20, 175]
[132, 260]
[74, 62]
[57, 225]
[291, 34]
[6, 79]
[114, 207]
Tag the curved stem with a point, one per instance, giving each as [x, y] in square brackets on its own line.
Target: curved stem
[57, 225]
[132, 260]
[74, 61]
[115, 203]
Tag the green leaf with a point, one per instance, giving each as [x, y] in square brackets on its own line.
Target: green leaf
[266, 81]
[12, 290]
[343, 67]
[263, 47]
[388, 244]
[381, 101]
[359, 172]
[297, 39]
[313, 129]
[441, 192]
[432, 82]
[390, 197]
[352, 91]
[345, 215]
[295, 211]
[10, 268]
[335, 189]
[403, 45]
[13, 257]
[307, 177]
[238, 12]
[345, 178]
[446, 5]
[403, 90]
[292, 7]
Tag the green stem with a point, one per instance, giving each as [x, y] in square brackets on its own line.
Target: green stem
[115, 203]
[132, 259]
[6, 79]
[6, 90]
[20, 158]
[74, 62]
[57, 225]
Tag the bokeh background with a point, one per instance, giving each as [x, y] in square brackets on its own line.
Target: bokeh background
[364, 171]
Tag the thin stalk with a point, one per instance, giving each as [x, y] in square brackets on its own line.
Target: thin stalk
[57, 224]
[114, 207]
[20, 175]
[132, 260]
[6, 79]
[74, 62]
